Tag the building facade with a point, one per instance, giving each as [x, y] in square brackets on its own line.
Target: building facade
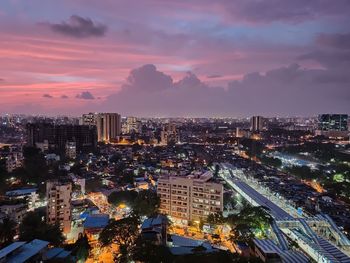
[333, 125]
[333, 122]
[169, 133]
[108, 126]
[57, 136]
[14, 161]
[59, 196]
[88, 119]
[257, 123]
[191, 197]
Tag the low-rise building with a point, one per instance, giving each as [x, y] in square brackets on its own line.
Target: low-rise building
[15, 212]
[154, 229]
[24, 252]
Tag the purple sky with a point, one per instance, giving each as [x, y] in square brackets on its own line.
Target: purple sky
[175, 58]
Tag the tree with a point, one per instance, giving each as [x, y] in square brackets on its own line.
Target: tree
[124, 233]
[146, 251]
[122, 197]
[215, 218]
[33, 227]
[271, 161]
[146, 203]
[217, 170]
[7, 231]
[82, 248]
[250, 219]
[143, 203]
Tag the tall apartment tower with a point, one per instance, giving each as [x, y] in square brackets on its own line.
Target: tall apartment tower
[108, 126]
[256, 123]
[88, 119]
[169, 133]
[59, 204]
[191, 197]
[333, 125]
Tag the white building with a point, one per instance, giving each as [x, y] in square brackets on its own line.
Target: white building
[59, 195]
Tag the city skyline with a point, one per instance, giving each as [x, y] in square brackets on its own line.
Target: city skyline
[175, 58]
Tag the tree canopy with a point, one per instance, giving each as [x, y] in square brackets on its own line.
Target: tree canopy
[33, 227]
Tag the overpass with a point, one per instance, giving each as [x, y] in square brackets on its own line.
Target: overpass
[318, 236]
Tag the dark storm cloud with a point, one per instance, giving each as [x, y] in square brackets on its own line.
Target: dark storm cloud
[64, 97]
[214, 76]
[286, 90]
[340, 41]
[329, 59]
[80, 27]
[148, 78]
[85, 95]
[48, 96]
[332, 52]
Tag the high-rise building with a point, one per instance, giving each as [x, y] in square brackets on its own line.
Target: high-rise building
[169, 134]
[333, 122]
[57, 136]
[58, 194]
[333, 125]
[108, 126]
[71, 150]
[257, 123]
[14, 160]
[88, 119]
[191, 197]
[132, 125]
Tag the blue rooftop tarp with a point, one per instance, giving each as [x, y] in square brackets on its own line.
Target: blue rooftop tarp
[96, 221]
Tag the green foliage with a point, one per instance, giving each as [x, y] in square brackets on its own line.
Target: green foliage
[122, 197]
[146, 203]
[33, 227]
[249, 220]
[217, 170]
[303, 172]
[82, 248]
[124, 233]
[93, 185]
[34, 169]
[253, 147]
[7, 231]
[215, 218]
[146, 251]
[143, 203]
[271, 161]
[323, 151]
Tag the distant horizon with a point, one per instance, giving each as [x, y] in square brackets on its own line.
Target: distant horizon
[175, 58]
[174, 117]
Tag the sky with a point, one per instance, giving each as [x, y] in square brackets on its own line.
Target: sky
[167, 58]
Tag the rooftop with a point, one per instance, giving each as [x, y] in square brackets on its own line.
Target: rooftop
[22, 251]
[96, 221]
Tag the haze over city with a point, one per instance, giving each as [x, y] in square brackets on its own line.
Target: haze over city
[175, 58]
[175, 131]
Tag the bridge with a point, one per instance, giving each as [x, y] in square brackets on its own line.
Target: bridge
[318, 236]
